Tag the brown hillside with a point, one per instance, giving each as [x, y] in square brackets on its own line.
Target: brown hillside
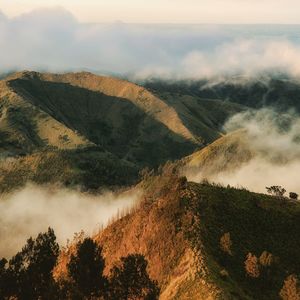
[196, 238]
[158, 229]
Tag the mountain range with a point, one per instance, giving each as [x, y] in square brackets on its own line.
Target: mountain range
[201, 240]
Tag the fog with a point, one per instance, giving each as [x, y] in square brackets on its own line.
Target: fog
[33, 209]
[53, 40]
[274, 138]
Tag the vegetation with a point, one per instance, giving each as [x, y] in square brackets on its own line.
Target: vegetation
[293, 196]
[263, 238]
[88, 168]
[130, 281]
[276, 190]
[290, 289]
[226, 243]
[252, 266]
[28, 274]
[86, 270]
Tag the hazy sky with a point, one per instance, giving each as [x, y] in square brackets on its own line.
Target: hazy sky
[166, 11]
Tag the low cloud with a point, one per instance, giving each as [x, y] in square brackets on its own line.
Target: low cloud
[53, 40]
[274, 139]
[33, 209]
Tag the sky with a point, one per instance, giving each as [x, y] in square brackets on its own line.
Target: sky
[77, 35]
[167, 11]
[53, 39]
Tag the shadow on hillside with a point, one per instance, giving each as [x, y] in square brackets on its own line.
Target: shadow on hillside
[204, 115]
[114, 123]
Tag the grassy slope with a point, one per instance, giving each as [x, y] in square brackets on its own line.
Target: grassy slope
[256, 223]
[282, 93]
[225, 154]
[88, 168]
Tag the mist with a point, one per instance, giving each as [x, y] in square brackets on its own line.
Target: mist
[33, 209]
[53, 40]
[274, 139]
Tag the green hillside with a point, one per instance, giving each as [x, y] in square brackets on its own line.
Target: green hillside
[281, 92]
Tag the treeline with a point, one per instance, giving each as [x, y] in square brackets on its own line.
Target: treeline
[28, 275]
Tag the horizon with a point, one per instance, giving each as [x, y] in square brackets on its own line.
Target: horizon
[166, 12]
[54, 40]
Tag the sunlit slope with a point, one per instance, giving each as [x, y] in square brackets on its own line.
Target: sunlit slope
[122, 117]
[179, 227]
[24, 127]
[226, 154]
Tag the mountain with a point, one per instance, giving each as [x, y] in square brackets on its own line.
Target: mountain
[205, 241]
[281, 92]
[120, 125]
[202, 241]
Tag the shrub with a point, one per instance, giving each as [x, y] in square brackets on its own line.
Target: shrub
[267, 259]
[290, 289]
[226, 243]
[293, 196]
[276, 190]
[252, 266]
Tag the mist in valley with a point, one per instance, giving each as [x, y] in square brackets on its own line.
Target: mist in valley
[274, 139]
[33, 209]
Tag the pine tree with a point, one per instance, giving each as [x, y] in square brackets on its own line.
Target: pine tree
[86, 269]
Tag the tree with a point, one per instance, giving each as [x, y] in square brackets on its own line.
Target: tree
[226, 243]
[252, 266]
[276, 190]
[290, 289]
[130, 280]
[293, 196]
[3, 279]
[86, 269]
[30, 271]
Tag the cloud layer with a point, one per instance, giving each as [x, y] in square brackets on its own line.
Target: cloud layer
[33, 209]
[52, 39]
[274, 139]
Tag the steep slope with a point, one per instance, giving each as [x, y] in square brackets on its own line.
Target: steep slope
[25, 128]
[204, 117]
[197, 237]
[122, 117]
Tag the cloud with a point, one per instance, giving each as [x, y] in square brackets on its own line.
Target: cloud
[52, 39]
[33, 209]
[274, 139]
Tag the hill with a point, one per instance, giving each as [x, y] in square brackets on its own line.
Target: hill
[281, 92]
[226, 154]
[197, 238]
[129, 126]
